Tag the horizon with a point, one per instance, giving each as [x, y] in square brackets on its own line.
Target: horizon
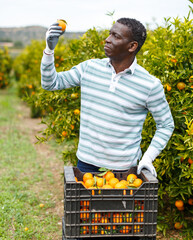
[86, 14]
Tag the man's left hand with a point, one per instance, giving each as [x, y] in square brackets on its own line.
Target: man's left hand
[146, 162]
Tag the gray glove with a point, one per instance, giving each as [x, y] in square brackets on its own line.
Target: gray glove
[146, 162]
[52, 35]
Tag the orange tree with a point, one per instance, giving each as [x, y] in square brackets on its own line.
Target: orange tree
[168, 54]
[5, 68]
[27, 73]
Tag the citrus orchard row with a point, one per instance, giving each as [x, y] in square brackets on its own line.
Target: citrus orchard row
[5, 68]
[167, 54]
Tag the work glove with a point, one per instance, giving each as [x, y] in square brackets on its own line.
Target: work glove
[52, 35]
[146, 162]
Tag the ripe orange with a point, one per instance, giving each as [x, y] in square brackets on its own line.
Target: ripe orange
[124, 182]
[128, 217]
[109, 175]
[179, 203]
[178, 225]
[26, 228]
[74, 95]
[84, 215]
[92, 192]
[137, 182]
[89, 183]
[97, 217]
[181, 159]
[131, 177]
[62, 23]
[84, 203]
[117, 218]
[181, 85]
[76, 112]
[140, 217]
[125, 229]
[137, 228]
[64, 133]
[85, 229]
[87, 176]
[190, 161]
[113, 181]
[94, 229]
[124, 192]
[41, 205]
[100, 182]
[104, 220]
[190, 201]
[191, 79]
[168, 87]
[173, 60]
[120, 185]
[107, 186]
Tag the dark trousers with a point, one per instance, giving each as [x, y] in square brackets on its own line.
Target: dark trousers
[85, 167]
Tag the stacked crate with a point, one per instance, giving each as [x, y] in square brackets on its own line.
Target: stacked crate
[107, 213]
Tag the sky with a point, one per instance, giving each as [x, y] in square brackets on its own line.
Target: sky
[82, 15]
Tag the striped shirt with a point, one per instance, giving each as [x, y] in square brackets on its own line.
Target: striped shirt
[113, 110]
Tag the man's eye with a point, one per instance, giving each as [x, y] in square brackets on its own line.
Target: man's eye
[116, 36]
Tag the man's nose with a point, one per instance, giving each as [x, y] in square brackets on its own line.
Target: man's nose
[108, 39]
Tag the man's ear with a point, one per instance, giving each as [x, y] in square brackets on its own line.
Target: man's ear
[132, 46]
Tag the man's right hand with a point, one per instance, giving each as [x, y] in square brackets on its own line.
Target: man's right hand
[52, 35]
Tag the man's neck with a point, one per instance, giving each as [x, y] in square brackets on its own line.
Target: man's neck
[120, 66]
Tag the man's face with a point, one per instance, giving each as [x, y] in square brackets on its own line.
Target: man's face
[118, 41]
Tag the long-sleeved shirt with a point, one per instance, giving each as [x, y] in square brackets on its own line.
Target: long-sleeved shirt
[113, 110]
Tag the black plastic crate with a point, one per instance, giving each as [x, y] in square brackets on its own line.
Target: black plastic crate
[104, 213]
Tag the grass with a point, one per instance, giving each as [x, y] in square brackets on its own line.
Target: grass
[21, 216]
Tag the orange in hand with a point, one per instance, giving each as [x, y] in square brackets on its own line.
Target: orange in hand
[62, 23]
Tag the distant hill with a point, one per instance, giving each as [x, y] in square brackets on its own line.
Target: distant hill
[26, 34]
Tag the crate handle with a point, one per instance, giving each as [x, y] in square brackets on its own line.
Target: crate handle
[148, 176]
[69, 174]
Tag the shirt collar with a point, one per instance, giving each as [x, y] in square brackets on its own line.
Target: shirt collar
[131, 69]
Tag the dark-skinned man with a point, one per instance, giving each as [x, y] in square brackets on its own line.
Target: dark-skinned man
[116, 95]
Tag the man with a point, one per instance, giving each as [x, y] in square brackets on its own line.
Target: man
[116, 95]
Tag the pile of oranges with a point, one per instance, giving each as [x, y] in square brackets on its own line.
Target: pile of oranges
[116, 222]
[102, 223]
[109, 181]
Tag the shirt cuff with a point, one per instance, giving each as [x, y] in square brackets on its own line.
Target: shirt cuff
[152, 153]
[47, 58]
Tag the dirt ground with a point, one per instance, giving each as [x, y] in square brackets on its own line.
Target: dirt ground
[31, 127]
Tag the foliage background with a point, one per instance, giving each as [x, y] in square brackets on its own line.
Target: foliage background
[167, 54]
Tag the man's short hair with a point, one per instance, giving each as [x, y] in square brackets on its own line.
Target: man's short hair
[137, 29]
